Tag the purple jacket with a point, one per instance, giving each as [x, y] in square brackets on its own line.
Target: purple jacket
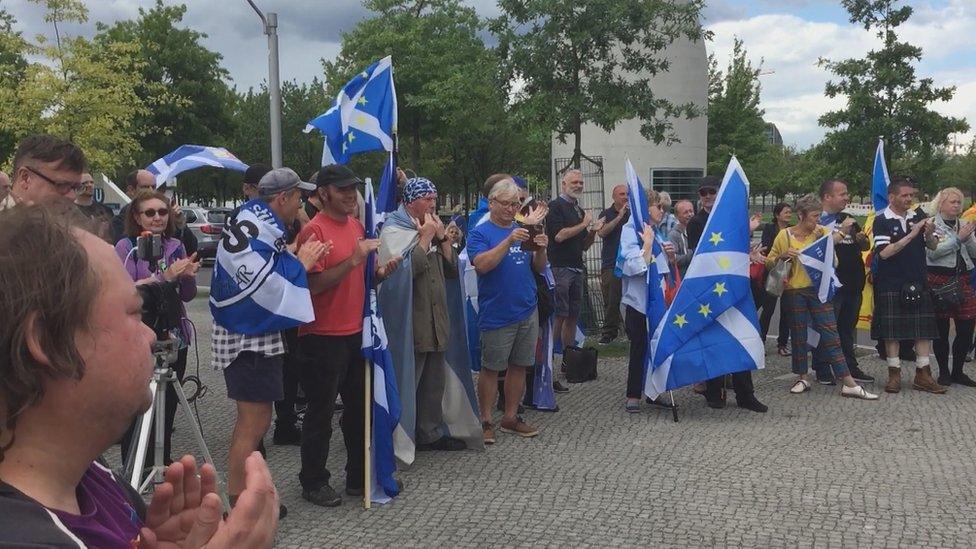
[139, 270]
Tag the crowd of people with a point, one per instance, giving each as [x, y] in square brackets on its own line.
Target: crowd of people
[287, 299]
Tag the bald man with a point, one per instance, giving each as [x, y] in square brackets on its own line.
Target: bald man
[135, 181]
[614, 218]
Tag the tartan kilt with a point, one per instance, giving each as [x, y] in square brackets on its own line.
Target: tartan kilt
[966, 310]
[892, 321]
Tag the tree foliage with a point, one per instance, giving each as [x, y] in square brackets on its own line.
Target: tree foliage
[593, 61]
[885, 98]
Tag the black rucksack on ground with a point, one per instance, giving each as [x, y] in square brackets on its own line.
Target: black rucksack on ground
[580, 363]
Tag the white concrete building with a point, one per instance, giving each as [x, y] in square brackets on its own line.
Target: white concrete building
[675, 168]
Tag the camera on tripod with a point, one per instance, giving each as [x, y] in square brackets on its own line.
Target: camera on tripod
[162, 307]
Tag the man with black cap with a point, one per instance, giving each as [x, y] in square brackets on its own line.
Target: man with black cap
[248, 344]
[331, 344]
[745, 395]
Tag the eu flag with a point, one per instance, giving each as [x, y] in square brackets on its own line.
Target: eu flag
[363, 116]
[711, 329]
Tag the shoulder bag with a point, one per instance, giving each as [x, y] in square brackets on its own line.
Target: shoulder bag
[776, 281]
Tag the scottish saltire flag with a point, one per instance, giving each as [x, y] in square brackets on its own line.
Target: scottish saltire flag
[387, 200]
[258, 286]
[386, 398]
[711, 329]
[189, 157]
[879, 179]
[363, 117]
[637, 199]
[818, 261]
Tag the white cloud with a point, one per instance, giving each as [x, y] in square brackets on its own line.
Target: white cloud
[790, 47]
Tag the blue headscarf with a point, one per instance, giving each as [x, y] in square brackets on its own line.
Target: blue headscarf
[417, 187]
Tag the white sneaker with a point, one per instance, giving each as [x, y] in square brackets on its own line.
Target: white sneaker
[857, 392]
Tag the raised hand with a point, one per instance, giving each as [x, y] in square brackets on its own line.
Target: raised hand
[587, 218]
[967, 230]
[427, 230]
[754, 222]
[541, 240]
[519, 235]
[312, 251]
[364, 247]
[435, 221]
[536, 215]
[669, 250]
[386, 270]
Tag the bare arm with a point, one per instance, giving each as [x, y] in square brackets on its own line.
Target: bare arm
[569, 232]
[609, 226]
[329, 278]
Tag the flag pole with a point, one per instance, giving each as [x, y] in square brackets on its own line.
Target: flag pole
[367, 439]
[674, 409]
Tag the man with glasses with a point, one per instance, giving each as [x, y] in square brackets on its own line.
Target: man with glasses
[99, 213]
[6, 201]
[46, 167]
[707, 190]
[135, 181]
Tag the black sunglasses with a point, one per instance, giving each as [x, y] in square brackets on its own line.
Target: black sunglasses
[163, 212]
[63, 187]
[706, 192]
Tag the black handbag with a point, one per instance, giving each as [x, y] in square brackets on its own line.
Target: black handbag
[580, 364]
[949, 296]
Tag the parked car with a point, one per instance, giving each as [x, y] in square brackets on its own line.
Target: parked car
[206, 226]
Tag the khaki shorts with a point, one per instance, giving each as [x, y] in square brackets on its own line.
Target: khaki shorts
[513, 344]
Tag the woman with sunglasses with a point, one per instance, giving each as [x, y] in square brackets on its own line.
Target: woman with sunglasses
[150, 211]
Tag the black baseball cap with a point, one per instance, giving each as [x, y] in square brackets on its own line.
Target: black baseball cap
[338, 176]
[254, 173]
[710, 182]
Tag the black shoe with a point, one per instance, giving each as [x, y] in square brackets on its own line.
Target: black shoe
[716, 404]
[537, 409]
[354, 492]
[751, 403]
[825, 378]
[323, 497]
[287, 435]
[944, 379]
[658, 402]
[282, 511]
[443, 444]
[860, 376]
[963, 379]
[559, 387]
[605, 340]
[728, 383]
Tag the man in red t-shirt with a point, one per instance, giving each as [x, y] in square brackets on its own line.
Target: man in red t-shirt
[331, 344]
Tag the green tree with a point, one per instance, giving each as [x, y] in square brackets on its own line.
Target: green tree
[735, 119]
[593, 61]
[13, 65]
[181, 81]
[885, 98]
[80, 90]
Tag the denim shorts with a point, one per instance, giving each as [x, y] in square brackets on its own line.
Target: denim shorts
[513, 344]
[253, 377]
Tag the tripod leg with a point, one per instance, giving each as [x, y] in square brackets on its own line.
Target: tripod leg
[137, 452]
[198, 436]
[159, 424]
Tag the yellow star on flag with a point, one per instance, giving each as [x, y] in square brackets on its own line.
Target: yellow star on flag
[724, 262]
[716, 238]
[720, 288]
[705, 310]
[352, 137]
[362, 100]
[679, 321]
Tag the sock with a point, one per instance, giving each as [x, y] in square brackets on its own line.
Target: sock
[894, 362]
[921, 361]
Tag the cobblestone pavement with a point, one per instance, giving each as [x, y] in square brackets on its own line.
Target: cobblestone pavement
[817, 470]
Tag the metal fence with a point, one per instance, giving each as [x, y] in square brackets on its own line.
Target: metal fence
[593, 200]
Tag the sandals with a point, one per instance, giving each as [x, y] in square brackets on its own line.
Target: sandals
[801, 386]
[784, 351]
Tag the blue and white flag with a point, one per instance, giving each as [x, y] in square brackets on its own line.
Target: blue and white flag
[258, 286]
[363, 117]
[637, 199]
[386, 397]
[713, 314]
[879, 180]
[189, 157]
[818, 260]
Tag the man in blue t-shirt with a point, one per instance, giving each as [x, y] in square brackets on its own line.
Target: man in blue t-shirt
[507, 315]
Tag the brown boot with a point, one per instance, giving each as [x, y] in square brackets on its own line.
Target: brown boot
[894, 380]
[924, 382]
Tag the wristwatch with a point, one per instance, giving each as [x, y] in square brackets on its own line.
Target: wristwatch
[440, 241]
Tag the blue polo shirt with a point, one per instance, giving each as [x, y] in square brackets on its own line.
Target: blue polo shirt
[506, 294]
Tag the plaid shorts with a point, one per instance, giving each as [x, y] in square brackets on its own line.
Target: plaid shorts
[894, 322]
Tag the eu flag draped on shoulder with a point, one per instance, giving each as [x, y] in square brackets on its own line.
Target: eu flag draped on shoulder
[258, 286]
[879, 201]
[189, 157]
[386, 398]
[455, 411]
[711, 329]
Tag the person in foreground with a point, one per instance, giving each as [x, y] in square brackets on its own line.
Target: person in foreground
[76, 373]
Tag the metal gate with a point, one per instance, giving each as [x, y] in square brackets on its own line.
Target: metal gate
[593, 200]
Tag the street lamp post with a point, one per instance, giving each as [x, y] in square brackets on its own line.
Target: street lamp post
[270, 23]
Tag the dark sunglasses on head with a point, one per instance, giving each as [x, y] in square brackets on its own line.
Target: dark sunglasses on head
[707, 192]
[163, 212]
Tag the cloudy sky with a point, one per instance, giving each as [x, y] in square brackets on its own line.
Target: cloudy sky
[786, 36]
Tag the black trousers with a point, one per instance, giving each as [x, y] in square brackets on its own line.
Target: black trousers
[332, 365]
[131, 435]
[768, 308]
[635, 325]
[292, 370]
[960, 345]
[741, 382]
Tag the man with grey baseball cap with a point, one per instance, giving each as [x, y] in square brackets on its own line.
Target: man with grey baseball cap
[280, 180]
